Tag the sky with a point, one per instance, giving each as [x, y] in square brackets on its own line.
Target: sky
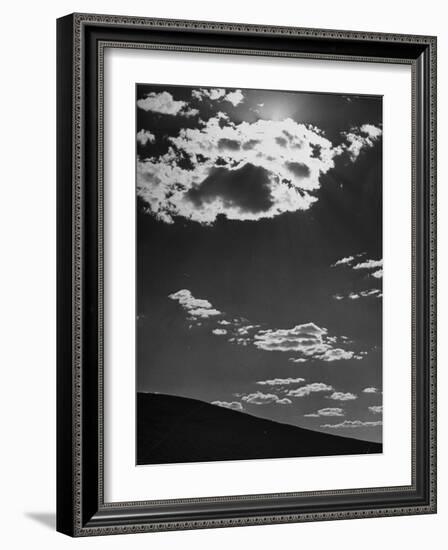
[259, 253]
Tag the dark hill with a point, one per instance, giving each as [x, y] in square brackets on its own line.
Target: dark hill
[174, 429]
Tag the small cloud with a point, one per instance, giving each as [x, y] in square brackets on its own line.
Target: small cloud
[315, 387]
[234, 405]
[284, 401]
[336, 354]
[235, 98]
[195, 307]
[376, 292]
[144, 137]
[373, 292]
[281, 381]
[297, 359]
[370, 389]
[344, 261]
[211, 93]
[369, 264]
[341, 396]
[218, 94]
[376, 409]
[260, 398]
[377, 274]
[164, 103]
[223, 322]
[359, 139]
[353, 424]
[328, 411]
[219, 331]
[372, 131]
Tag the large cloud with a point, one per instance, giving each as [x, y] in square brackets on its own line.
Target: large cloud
[243, 171]
[273, 161]
[246, 189]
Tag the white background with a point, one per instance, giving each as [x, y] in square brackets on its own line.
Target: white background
[27, 305]
[125, 482]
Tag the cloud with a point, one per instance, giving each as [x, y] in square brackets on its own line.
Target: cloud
[341, 396]
[235, 98]
[328, 411]
[369, 264]
[353, 424]
[280, 381]
[164, 103]
[360, 138]
[218, 94]
[351, 261]
[284, 401]
[336, 354]
[234, 405]
[246, 189]
[260, 398]
[370, 389]
[211, 93]
[373, 292]
[315, 387]
[365, 264]
[376, 409]
[144, 137]
[223, 159]
[195, 307]
[372, 131]
[307, 339]
[347, 260]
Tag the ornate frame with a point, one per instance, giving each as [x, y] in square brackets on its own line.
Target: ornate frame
[81, 39]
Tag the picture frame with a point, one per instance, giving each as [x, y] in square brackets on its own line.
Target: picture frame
[81, 506]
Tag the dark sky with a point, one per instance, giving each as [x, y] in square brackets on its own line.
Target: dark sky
[246, 200]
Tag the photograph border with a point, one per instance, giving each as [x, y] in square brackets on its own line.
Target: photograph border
[81, 41]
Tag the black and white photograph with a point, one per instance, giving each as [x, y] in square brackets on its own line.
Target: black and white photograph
[259, 274]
